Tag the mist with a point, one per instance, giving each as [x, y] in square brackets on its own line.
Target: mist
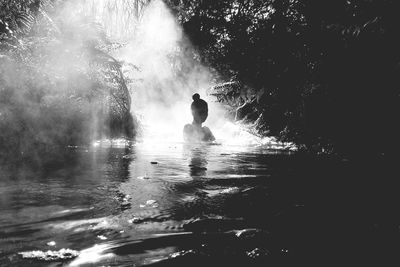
[89, 69]
[102, 162]
[168, 72]
[59, 86]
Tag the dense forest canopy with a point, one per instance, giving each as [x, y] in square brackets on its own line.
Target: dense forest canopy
[120, 18]
[59, 86]
[325, 71]
[321, 73]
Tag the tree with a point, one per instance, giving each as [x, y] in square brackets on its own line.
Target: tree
[59, 85]
[319, 69]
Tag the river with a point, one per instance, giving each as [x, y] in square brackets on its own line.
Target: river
[173, 204]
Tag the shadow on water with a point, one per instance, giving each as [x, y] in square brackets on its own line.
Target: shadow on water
[174, 204]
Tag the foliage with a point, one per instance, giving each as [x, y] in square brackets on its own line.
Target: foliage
[320, 69]
[58, 84]
[122, 16]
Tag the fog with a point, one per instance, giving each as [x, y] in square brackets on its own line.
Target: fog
[168, 75]
[62, 88]
[168, 72]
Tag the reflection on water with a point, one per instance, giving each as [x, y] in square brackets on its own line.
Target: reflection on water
[155, 203]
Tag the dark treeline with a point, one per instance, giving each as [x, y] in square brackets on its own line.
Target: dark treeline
[320, 73]
[58, 84]
[323, 73]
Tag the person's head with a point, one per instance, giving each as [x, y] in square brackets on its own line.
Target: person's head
[195, 97]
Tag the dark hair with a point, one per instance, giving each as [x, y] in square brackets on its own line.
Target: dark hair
[196, 96]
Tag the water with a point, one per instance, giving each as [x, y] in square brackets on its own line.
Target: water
[172, 204]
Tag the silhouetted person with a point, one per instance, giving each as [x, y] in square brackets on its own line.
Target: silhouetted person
[199, 110]
[195, 132]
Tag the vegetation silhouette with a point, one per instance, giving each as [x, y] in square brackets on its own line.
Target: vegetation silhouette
[323, 74]
[59, 85]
